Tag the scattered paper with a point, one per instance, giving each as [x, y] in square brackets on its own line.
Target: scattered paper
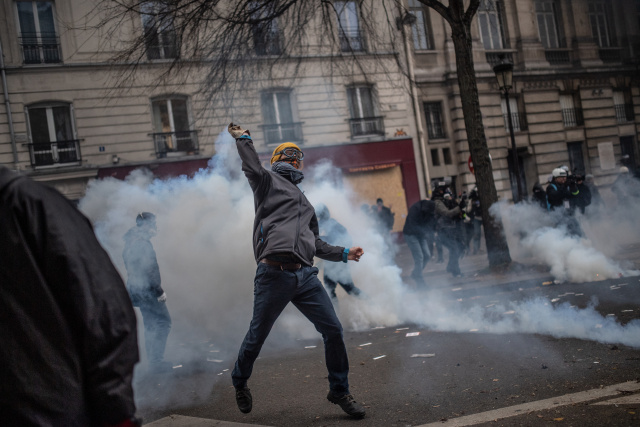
[310, 346]
[378, 327]
[412, 334]
[456, 289]
[555, 300]
[627, 311]
[177, 366]
[473, 330]
[401, 329]
[379, 357]
[424, 355]
[546, 283]
[509, 312]
[578, 295]
[214, 360]
[367, 343]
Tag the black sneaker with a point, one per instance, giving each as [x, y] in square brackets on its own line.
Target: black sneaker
[348, 405]
[244, 400]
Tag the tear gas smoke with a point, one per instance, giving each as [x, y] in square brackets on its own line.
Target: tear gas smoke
[203, 246]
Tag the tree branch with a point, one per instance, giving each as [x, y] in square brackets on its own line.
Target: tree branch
[471, 11]
[439, 7]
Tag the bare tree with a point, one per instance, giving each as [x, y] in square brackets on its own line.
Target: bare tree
[459, 20]
[241, 43]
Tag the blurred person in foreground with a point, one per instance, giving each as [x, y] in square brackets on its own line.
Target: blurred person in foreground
[419, 234]
[68, 330]
[475, 214]
[335, 273]
[144, 285]
[285, 240]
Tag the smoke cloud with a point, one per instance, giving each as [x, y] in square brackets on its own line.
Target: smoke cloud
[203, 246]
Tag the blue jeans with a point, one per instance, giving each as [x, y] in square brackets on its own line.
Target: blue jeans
[157, 324]
[419, 248]
[273, 290]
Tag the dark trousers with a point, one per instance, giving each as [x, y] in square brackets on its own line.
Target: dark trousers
[451, 240]
[477, 234]
[273, 290]
[332, 284]
[157, 324]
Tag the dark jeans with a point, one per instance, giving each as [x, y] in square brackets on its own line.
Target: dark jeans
[477, 234]
[157, 324]
[348, 286]
[451, 240]
[273, 290]
[419, 248]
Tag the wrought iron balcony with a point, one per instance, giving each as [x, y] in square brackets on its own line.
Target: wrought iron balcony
[558, 56]
[352, 41]
[610, 54]
[55, 153]
[40, 48]
[624, 113]
[282, 132]
[495, 57]
[572, 117]
[176, 142]
[518, 120]
[367, 126]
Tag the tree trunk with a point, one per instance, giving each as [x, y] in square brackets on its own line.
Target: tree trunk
[497, 248]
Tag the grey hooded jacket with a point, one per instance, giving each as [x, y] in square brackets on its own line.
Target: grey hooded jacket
[285, 221]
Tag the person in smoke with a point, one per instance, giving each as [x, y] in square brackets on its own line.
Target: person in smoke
[68, 330]
[143, 283]
[596, 198]
[285, 240]
[561, 193]
[418, 232]
[539, 196]
[384, 216]
[475, 214]
[335, 273]
[449, 214]
[626, 187]
[583, 198]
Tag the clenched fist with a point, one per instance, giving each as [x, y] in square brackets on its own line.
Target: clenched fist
[236, 131]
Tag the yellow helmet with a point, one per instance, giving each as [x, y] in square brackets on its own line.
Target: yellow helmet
[276, 153]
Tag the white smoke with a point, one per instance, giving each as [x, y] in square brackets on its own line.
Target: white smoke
[204, 251]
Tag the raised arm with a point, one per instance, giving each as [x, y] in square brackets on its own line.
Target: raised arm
[251, 166]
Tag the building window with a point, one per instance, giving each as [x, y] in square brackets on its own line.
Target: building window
[159, 32]
[599, 19]
[351, 39]
[576, 157]
[517, 114]
[172, 129]
[38, 38]
[435, 157]
[278, 114]
[446, 156]
[433, 113]
[571, 110]
[52, 135]
[364, 120]
[420, 29]
[547, 24]
[490, 21]
[266, 36]
[623, 106]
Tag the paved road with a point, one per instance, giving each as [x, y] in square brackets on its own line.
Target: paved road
[468, 377]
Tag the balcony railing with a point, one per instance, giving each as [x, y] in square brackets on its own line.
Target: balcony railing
[282, 132]
[352, 41]
[176, 142]
[55, 153]
[518, 120]
[572, 117]
[558, 56]
[610, 54]
[494, 57]
[367, 126]
[624, 113]
[40, 48]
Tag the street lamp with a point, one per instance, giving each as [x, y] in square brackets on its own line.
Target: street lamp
[504, 75]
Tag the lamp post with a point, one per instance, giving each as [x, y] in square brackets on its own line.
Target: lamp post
[504, 75]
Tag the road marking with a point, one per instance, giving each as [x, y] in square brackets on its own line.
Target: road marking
[540, 405]
[634, 399]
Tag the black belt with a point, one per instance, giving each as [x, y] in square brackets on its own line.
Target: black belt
[290, 266]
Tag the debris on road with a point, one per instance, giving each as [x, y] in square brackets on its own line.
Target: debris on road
[412, 334]
[310, 346]
[424, 355]
[379, 357]
[362, 345]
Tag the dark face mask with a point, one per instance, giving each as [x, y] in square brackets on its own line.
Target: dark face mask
[287, 171]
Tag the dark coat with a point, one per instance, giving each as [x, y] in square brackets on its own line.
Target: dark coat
[557, 194]
[67, 327]
[420, 219]
[143, 273]
[285, 221]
